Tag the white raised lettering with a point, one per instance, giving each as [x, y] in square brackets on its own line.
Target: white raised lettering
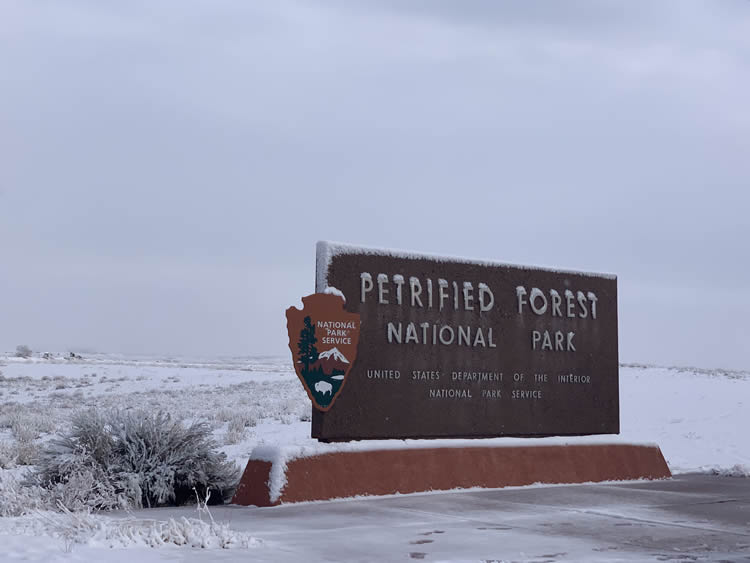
[556, 302]
[411, 333]
[443, 340]
[394, 334]
[571, 347]
[521, 296]
[424, 326]
[365, 284]
[569, 304]
[468, 296]
[486, 298]
[592, 297]
[536, 293]
[582, 304]
[464, 334]
[442, 291]
[382, 291]
[546, 341]
[479, 338]
[398, 279]
[416, 291]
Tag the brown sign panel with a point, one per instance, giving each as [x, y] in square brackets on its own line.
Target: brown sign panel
[323, 340]
[457, 348]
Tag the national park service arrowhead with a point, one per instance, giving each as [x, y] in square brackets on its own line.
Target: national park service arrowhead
[323, 338]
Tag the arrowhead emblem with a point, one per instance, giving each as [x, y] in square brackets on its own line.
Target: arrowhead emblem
[323, 339]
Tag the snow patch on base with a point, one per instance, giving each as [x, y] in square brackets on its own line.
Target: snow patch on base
[278, 459]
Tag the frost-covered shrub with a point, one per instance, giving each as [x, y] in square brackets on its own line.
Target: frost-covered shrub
[116, 459]
[23, 351]
[236, 431]
[18, 453]
[306, 413]
[238, 420]
[9, 414]
[24, 433]
[7, 456]
[17, 499]
[26, 422]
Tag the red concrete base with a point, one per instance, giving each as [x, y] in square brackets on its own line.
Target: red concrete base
[383, 472]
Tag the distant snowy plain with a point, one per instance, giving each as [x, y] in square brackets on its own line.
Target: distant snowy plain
[698, 417]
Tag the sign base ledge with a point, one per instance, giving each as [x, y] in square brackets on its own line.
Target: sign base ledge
[346, 474]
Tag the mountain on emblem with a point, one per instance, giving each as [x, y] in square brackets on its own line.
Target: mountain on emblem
[321, 336]
[335, 354]
[332, 363]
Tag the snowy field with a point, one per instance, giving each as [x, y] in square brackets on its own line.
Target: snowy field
[698, 417]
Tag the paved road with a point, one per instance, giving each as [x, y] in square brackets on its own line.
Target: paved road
[687, 518]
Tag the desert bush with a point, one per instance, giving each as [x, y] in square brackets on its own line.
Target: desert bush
[26, 422]
[7, 456]
[17, 499]
[305, 414]
[24, 433]
[9, 414]
[238, 420]
[237, 428]
[18, 453]
[116, 459]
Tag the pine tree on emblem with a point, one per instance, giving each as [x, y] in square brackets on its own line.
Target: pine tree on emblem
[308, 353]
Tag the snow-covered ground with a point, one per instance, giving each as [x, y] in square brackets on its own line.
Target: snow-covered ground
[696, 416]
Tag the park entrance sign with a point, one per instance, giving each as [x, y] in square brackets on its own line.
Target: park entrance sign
[401, 345]
[453, 348]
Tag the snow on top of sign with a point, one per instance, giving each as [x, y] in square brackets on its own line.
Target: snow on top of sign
[280, 455]
[326, 250]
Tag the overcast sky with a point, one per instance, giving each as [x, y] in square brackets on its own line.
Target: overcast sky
[167, 167]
